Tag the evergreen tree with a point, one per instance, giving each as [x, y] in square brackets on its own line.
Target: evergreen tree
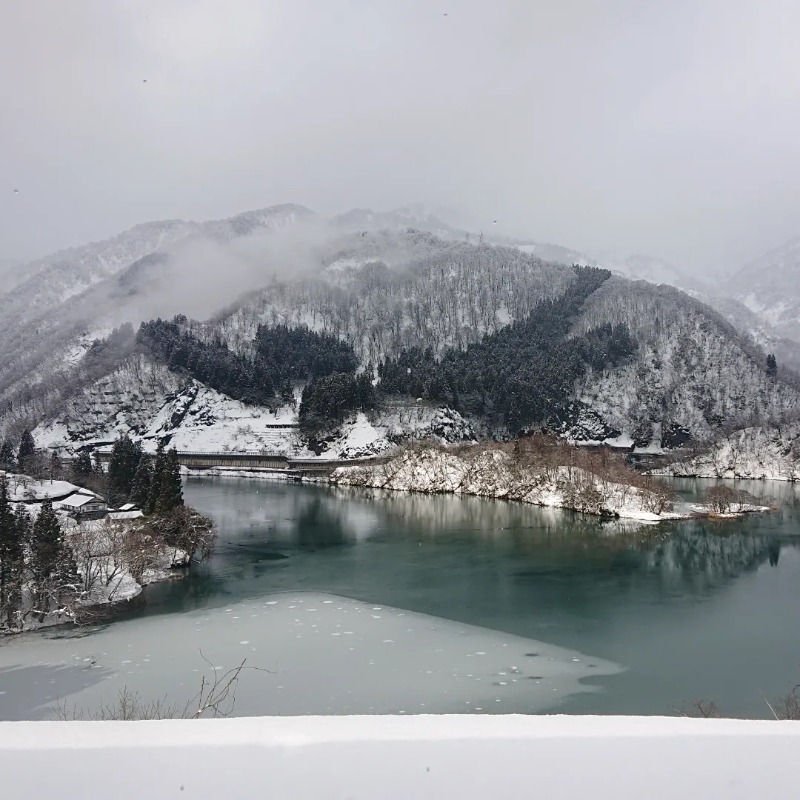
[27, 447]
[98, 463]
[6, 455]
[170, 494]
[155, 482]
[55, 466]
[11, 556]
[142, 481]
[772, 366]
[82, 467]
[47, 555]
[125, 456]
[22, 527]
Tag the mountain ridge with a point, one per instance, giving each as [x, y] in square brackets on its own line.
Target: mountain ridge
[382, 289]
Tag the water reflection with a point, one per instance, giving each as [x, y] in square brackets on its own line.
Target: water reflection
[465, 558]
[704, 557]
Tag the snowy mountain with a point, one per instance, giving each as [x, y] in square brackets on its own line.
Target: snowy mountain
[415, 216]
[757, 301]
[65, 275]
[693, 374]
[770, 288]
[388, 290]
[653, 270]
[384, 287]
[77, 295]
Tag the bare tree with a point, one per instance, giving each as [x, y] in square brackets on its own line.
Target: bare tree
[216, 697]
[721, 499]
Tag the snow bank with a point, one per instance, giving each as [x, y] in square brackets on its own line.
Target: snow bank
[396, 758]
[381, 430]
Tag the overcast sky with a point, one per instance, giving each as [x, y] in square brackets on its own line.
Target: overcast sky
[669, 127]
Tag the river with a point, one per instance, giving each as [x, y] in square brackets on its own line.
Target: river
[559, 611]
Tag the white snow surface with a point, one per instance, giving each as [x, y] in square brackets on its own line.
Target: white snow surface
[147, 401]
[379, 432]
[24, 489]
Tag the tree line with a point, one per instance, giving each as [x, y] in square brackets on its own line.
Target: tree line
[521, 375]
[281, 357]
[37, 568]
[524, 374]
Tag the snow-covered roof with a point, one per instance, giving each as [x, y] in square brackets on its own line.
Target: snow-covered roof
[22, 488]
[128, 507]
[74, 501]
[122, 515]
[78, 500]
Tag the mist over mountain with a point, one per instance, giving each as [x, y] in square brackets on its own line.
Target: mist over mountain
[397, 287]
[770, 288]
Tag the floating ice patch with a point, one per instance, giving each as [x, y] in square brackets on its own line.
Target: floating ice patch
[337, 671]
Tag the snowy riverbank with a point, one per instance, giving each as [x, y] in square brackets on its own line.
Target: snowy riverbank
[757, 453]
[103, 557]
[496, 473]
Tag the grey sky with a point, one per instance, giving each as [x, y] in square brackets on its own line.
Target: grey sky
[669, 127]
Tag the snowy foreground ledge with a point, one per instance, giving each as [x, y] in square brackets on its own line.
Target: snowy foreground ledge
[401, 757]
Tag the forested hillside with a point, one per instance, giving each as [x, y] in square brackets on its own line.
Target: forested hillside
[522, 375]
[444, 295]
[281, 357]
[360, 321]
[693, 375]
[73, 297]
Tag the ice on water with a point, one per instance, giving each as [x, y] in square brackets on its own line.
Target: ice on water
[324, 655]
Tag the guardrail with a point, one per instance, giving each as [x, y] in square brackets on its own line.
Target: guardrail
[395, 757]
[262, 460]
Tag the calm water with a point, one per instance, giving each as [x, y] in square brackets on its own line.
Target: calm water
[696, 609]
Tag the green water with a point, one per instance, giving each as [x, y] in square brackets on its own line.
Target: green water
[692, 609]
